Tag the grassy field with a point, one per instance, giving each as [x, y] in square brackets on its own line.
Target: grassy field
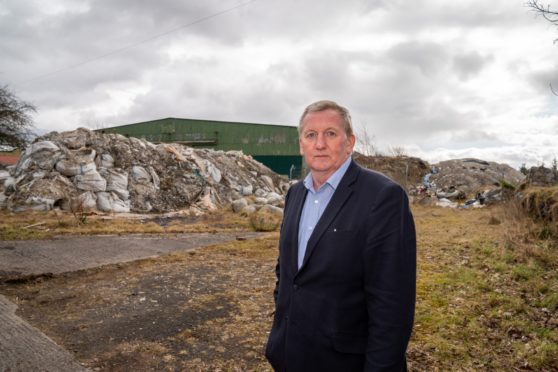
[487, 295]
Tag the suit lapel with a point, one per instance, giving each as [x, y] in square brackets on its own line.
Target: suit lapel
[298, 202]
[340, 196]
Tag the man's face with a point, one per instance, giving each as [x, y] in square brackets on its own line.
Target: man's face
[324, 143]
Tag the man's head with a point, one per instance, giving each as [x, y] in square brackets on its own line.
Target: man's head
[326, 138]
[328, 105]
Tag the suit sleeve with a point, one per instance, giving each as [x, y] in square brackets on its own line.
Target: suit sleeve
[390, 280]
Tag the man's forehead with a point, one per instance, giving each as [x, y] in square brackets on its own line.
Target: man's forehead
[321, 118]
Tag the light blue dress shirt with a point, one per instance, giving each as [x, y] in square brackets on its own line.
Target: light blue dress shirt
[315, 205]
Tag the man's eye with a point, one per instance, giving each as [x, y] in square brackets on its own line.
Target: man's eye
[310, 135]
[330, 133]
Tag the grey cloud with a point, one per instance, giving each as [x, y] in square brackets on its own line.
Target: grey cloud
[475, 138]
[69, 38]
[422, 15]
[396, 95]
[327, 71]
[542, 79]
[467, 65]
[430, 58]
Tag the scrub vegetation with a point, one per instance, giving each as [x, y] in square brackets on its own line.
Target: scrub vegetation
[487, 296]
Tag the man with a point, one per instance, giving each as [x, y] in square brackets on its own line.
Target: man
[345, 292]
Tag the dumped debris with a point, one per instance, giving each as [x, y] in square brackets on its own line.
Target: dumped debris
[542, 176]
[467, 183]
[466, 178]
[82, 170]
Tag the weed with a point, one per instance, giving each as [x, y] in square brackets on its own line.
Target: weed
[265, 221]
[523, 272]
[550, 301]
[507, 185]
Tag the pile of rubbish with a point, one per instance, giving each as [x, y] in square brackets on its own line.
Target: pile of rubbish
[82, 170]
[452, 183]
[472, 182]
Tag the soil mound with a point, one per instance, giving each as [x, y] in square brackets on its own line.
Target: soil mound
[405, 170]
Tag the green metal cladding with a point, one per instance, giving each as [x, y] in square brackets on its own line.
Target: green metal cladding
[276, 146]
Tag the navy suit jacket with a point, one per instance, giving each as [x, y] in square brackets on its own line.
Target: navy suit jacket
[350, 306]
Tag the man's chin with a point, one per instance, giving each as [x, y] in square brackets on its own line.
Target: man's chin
[320, 167]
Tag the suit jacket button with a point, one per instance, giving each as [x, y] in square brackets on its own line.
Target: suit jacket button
[286, 317]
[295, 287]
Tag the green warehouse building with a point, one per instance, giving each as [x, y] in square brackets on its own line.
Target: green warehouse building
[276, 146]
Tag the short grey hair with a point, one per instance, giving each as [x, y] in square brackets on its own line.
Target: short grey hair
[324, 105]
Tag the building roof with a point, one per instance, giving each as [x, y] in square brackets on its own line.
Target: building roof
[205, 121]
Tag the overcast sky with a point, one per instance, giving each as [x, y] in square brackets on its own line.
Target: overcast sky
[442, 79]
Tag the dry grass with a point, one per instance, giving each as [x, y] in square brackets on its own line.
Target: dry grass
[44, 225]
[541, 204]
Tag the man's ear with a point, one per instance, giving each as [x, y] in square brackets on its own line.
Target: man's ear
[351, 142]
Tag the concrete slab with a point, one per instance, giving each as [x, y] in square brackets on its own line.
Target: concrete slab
[72, 253]
[24, 348]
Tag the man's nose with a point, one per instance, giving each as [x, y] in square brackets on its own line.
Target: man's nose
[320, 141]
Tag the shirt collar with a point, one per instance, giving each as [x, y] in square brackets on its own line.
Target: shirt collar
[333, 180]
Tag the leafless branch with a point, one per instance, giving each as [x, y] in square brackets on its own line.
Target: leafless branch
[544, 10]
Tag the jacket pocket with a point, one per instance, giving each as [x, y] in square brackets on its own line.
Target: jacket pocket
[349, 343]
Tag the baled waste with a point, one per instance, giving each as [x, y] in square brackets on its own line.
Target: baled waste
[82, 170]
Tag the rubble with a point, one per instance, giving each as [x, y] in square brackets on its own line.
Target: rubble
[84, 170]
[480, 180]
[467, 183]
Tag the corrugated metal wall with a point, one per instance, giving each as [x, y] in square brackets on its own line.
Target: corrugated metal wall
[276, 146]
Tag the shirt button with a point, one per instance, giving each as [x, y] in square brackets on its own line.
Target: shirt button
[315, 201]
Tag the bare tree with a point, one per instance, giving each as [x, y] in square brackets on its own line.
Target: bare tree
[95, 124]
[365, 142]
[398, 151]
[16, 123]
[550, 15]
